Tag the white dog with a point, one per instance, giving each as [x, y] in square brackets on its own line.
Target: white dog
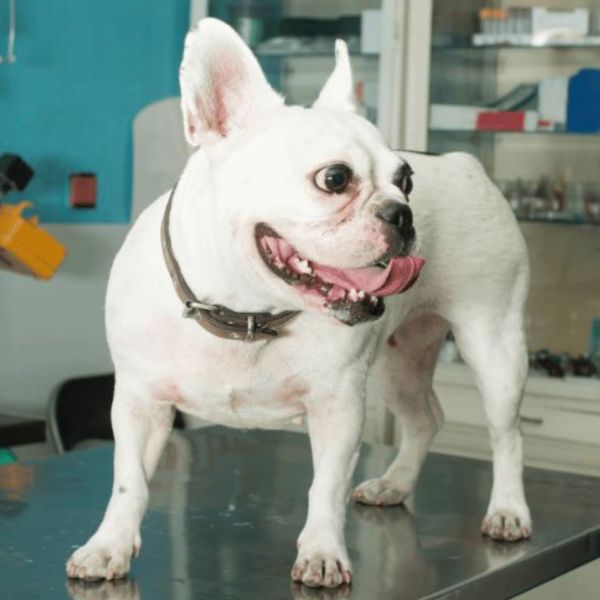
[298, 220]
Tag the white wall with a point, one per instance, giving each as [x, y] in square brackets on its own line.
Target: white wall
[53, 330]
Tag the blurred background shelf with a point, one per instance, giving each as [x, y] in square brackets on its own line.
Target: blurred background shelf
[500, 131]
[311, 54]
[558, 221]
[555, 45]
[468, 45]
[589, 42]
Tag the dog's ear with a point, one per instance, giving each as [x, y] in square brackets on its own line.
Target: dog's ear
[338, 91]
[222, 85]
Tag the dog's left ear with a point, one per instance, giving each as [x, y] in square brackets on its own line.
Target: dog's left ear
[223, 87]
[338, 92]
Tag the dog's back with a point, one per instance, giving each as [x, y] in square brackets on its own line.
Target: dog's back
[467, 233]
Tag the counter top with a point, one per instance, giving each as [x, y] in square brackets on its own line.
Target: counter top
[226, 507]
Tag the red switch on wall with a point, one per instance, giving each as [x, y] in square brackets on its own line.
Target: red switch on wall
[82, 190]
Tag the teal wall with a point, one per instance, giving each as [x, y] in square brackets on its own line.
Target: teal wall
[84, 69]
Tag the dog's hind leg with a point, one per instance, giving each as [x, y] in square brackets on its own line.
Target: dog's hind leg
[141, 426]
[493, 345]
[405, 367]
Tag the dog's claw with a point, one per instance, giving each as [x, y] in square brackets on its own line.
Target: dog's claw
[506, 527]
[101, 559]
[321, 570]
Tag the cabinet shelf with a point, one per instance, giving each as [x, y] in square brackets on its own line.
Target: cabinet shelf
[479, 41]
[592, 45]
[552, 46]
[300, 54]
[557, 220]
[579, 393]
[526, 41]
[499, 131]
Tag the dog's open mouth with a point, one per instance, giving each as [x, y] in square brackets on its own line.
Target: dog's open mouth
[354, 295]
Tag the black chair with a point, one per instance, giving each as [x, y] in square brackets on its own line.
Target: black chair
[79, 410]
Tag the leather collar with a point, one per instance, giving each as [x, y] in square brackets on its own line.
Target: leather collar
[215, 318]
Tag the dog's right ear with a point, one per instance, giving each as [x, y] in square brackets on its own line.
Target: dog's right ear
[222, 85]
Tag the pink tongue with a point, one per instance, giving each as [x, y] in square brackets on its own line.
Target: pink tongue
[398, 276]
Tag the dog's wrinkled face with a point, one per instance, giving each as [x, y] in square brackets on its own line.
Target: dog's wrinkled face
[342, 235]
[318, 203]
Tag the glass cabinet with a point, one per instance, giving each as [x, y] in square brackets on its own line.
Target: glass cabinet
[514, 82]
[294, 42]
[517, 84]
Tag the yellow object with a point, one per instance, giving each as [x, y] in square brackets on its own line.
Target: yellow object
[24, 246]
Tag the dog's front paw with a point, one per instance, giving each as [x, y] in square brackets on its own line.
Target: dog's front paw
[379, 492]
[103, 558]
[316, 566]
[506, 525]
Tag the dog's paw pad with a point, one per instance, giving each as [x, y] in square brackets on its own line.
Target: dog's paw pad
[321, 569]
[379, 492]
[504, 525]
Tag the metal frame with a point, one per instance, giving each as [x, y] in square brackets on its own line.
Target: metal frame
[198, 10]
[404, 67]
[52, 431]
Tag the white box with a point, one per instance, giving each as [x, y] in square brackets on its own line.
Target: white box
[452, 117]
[370, 31]
[552, 99]
[576, 21]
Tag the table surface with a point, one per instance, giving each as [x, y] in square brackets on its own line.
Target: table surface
[226, 507]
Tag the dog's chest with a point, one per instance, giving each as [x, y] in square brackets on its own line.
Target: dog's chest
[239, 388]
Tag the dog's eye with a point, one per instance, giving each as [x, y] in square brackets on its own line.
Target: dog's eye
[403, 181]
[333, 179]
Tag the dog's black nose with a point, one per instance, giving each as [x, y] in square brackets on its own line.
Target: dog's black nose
[400, 215]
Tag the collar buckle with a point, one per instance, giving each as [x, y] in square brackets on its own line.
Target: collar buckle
[251, 330]
[192, 308]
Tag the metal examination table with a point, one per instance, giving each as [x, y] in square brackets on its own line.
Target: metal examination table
[226, 507]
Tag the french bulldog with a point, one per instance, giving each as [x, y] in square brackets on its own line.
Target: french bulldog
[290, 243]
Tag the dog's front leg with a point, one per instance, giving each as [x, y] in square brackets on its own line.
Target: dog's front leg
[335, 426]
[140, 427]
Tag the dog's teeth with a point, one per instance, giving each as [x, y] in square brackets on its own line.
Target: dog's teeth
[304, 267]
[373, 300]
[300, 265]
[362, 295]
[353, 295]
